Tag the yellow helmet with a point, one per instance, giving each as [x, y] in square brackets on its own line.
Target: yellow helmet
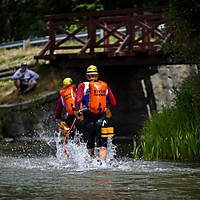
[92, 69]
[67, 81]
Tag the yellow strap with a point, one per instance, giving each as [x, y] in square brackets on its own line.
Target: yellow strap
[108, 113]
[107, 130]
[80, 117]
[108, 135]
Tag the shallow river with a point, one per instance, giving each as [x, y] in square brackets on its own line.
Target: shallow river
[39, 170]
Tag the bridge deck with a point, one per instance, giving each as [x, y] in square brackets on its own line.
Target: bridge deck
[124, 33]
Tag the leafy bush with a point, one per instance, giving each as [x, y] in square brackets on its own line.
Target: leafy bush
[182, 31]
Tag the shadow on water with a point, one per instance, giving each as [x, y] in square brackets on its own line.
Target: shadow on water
[37, 169]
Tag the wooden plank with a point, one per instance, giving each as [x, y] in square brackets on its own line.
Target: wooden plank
[102, 13]
[123, 44]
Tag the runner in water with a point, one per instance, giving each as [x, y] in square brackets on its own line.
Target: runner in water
[95, 96]
[66, 101]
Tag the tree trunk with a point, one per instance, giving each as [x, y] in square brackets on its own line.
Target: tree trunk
[6, 20]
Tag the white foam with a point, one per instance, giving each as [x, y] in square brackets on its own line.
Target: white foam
[80, 161]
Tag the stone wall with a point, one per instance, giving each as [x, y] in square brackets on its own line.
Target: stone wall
[31, 117]
[168, 77]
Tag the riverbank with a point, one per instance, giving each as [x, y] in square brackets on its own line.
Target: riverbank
[10, 60]
[50, 79]
[25, 115]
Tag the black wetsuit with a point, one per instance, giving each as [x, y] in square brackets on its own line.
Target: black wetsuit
[91, 126]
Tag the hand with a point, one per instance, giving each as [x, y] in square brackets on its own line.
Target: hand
[22, 76]
[77, 112]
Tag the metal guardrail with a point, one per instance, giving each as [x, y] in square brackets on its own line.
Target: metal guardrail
[23, 43]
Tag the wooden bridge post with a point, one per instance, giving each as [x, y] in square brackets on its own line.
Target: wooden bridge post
[106, 41]
[147, 38]
[130, 32]
[92, 33]
[52, 37]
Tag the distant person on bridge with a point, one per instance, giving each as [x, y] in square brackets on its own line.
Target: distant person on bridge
[95, 96]
[25, 79]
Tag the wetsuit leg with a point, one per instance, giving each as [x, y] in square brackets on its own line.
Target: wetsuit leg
[88, 126]
[70, 120]
[89, 134]
[92, 129]
[101, 142]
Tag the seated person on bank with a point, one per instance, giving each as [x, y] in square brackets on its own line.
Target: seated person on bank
[25, 79]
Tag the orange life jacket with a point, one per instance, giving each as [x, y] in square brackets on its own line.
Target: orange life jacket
[68, 93]
[97, 96]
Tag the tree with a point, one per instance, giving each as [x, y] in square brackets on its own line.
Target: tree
[23, 19]
[6, 31]
[182, 31]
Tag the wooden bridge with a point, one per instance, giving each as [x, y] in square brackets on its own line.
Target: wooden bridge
[127, 36]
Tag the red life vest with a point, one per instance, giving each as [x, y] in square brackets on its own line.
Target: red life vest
[68, 93]
[97, 96]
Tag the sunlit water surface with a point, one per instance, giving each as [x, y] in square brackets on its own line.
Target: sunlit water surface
[29, 171]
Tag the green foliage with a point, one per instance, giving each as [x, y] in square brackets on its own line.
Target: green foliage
[188, 99]
[89, 6]
[136, 150]
[24, 19]
[174, 133]
[182, 31]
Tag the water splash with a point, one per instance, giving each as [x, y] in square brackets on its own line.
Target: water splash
[46, 153]
[77, 153]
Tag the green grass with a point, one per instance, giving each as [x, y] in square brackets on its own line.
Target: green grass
[50, 80]
[13, 57]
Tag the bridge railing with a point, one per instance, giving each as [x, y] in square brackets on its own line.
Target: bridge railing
[142, 33]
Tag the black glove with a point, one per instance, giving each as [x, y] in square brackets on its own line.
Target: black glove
[63, 119]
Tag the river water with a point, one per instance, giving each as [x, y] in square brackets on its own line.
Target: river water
[38, 170]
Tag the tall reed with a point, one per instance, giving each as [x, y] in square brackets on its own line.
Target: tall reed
[174, 133]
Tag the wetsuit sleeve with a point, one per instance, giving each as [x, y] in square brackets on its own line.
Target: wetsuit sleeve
[111, 98]
[80, 93]
[59, 109]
